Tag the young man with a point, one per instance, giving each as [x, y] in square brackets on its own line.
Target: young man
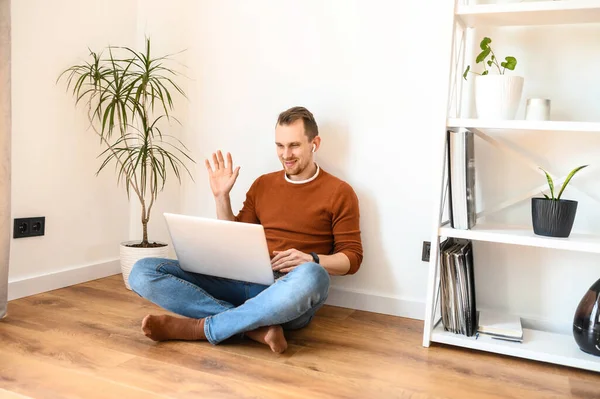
[311, 221]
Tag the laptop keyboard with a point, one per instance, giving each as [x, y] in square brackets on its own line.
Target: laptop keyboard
[278, 275]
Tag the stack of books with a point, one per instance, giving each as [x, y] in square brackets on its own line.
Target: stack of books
[461, 178]
[457, 287]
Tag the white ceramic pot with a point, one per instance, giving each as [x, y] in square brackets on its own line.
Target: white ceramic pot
[130, 255]
[498, 96]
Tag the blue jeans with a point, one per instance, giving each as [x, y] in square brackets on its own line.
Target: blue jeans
[232, 307]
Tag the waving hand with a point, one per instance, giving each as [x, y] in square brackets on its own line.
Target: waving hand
[223, 177]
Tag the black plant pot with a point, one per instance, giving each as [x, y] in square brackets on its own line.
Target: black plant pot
[586, 323]
[553, 218]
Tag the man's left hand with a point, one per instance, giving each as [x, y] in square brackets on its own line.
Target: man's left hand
[286, 261]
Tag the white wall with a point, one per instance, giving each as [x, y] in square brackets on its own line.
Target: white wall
[53, 154]
[375, 76]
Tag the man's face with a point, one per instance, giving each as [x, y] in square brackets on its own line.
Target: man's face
[293, 148]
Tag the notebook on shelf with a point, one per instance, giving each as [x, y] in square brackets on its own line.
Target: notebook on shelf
[500, 325]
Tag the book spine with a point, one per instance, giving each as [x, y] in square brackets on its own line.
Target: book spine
[461, 179]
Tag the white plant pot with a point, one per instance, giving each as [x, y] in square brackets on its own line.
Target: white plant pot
[498, 96]
[130, 255]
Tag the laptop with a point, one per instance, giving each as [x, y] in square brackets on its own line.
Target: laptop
[221, 248]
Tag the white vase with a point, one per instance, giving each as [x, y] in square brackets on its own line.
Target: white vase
[130, 255]
[498, 96]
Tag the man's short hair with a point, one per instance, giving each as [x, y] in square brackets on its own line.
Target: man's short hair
[291, 115]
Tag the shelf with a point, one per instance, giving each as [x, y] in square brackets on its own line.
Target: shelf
[531, 13]
[520, 124]
[523, 235]
[537, 345]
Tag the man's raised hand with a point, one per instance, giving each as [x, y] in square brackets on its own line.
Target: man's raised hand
[223, 177]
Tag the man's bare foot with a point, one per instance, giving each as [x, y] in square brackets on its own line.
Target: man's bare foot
[272, 336]
[165, 327]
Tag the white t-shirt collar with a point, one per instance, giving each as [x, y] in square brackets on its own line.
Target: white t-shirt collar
[303, 181]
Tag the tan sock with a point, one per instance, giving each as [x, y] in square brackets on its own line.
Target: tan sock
[165, 327]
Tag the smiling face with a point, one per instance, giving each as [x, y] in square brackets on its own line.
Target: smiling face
[294, 150]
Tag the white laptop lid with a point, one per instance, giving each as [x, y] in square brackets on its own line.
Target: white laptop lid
[214, 247]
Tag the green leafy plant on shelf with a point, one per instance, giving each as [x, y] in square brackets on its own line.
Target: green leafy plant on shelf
[567, 180]
[486, 51]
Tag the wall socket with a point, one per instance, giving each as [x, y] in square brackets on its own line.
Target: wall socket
[425, 251]
[29, 227]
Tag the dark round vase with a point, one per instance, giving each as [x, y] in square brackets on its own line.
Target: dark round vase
[586, 323]
[553, 218]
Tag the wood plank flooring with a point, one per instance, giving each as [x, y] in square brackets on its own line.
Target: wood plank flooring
[85, 342]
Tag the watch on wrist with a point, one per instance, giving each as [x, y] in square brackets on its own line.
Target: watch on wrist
[315, 257]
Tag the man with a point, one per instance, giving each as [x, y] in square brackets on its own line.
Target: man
[311, 222]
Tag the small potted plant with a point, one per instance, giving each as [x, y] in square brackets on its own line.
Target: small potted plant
[497, 95]
[552, 216]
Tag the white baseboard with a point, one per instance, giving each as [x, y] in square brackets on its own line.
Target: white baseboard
[342, 297]
[370, 302]
[51, 281]
[395, 306]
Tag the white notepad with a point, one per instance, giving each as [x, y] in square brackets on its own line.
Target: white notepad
[500, 324]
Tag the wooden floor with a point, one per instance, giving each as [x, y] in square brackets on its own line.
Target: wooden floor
[85, 342]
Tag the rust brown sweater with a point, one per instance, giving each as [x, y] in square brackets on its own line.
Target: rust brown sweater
[319, 216]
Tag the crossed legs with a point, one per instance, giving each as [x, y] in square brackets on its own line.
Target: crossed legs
[216, 309]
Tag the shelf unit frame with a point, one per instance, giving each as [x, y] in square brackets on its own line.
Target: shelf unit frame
[537, 345]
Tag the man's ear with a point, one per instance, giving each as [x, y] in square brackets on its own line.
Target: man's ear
[316, 144]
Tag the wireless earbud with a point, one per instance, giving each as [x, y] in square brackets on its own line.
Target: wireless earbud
[314, 147]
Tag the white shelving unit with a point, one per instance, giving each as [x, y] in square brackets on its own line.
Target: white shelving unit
[546, 126]
[537, 345]
[533, 13]
[523, 235]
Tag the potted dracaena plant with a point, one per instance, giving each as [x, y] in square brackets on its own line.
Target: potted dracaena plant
[553, 216]
[497, 95]
[128, 96]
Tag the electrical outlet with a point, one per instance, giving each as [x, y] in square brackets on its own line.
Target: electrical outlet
[29, 227]
[425, 251]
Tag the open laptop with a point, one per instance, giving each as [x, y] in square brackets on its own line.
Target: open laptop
[221, 248]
